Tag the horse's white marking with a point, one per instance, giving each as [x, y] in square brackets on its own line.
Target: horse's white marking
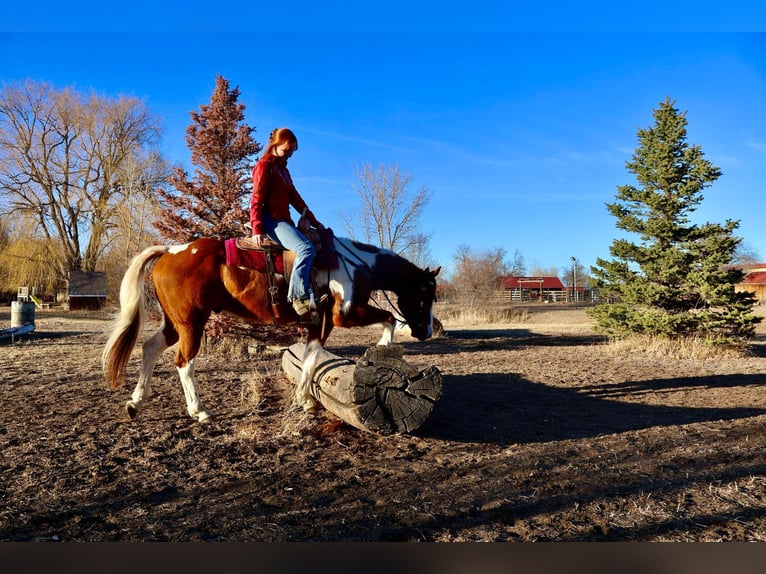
[193, 406]
[388, 335]
[178, 248]
[341, 281]
[341, 286]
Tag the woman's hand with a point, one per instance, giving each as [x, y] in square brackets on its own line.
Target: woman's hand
[257, 240]
[304, 224]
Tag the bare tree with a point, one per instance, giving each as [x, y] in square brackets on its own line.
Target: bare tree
[476, 274]
[390, 211]
[538, 271]
[745, 255]
[134, 216]
[419, 252]
[66, 159]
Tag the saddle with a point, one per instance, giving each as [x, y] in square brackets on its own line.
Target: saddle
[242, 252]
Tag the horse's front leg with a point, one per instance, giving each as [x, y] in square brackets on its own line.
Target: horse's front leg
[388, 334]
[303, 398]
[364, 315]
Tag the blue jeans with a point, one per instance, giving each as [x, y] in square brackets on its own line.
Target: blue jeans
[288, 236]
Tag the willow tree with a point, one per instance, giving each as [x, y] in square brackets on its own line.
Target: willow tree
[675, 279]
[24, 258]
[67, 159]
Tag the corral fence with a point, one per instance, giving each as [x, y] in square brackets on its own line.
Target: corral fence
[501, 296]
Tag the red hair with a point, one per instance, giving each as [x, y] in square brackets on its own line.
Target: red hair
[279, 136]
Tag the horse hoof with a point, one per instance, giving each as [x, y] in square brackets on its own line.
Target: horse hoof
[309, 406]
[204, 417]
[131, 409]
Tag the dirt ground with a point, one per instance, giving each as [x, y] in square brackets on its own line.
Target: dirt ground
[543, 433]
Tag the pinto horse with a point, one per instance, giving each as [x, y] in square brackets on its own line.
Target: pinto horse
[193, 280]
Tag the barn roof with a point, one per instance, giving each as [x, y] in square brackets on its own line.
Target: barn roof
[83, 284]
[516, 282]
[757, 278]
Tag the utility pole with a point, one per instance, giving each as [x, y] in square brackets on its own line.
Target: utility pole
[574, 279]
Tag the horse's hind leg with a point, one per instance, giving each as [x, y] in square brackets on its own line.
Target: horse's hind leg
[190, 338]
[151, 350]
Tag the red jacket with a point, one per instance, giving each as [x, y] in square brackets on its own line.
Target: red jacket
[273, 190]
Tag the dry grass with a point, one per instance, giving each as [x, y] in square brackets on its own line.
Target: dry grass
[697, 348]
[266, 397]
[488, 315]
[574, 320]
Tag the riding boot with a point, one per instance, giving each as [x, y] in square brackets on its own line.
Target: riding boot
[302, 308]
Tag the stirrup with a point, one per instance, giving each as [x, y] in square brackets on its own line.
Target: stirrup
[302, 308]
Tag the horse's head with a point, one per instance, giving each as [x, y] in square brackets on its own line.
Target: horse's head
[416, 303]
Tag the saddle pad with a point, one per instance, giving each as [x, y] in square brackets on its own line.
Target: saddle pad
[251, 258]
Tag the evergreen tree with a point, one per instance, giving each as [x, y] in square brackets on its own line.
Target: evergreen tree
[677, 280]
[215, 202]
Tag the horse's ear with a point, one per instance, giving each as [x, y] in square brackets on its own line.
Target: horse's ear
[435, 272]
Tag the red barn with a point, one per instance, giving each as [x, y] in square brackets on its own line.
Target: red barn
[754, 281]
[536, 288]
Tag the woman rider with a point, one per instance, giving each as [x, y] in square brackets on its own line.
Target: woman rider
[273, 194]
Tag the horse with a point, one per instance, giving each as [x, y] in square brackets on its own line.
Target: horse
[193, 280]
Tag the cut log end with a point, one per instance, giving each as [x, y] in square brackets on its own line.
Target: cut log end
[381, 393]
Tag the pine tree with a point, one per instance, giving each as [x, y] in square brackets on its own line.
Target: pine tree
[214, 202]
[677, 281]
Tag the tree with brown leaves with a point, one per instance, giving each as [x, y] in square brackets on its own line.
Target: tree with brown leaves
[213, 203]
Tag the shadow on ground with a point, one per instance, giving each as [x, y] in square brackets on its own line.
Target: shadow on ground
[506, 409]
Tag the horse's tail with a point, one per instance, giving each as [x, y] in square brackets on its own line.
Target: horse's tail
[130, 321]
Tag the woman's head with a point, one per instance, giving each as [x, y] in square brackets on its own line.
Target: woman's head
[282, 143]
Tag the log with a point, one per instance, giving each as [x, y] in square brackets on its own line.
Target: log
[381, 393]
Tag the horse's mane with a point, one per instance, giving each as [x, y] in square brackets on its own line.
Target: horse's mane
[356, 245]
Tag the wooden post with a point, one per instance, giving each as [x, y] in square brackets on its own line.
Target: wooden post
[381, 393]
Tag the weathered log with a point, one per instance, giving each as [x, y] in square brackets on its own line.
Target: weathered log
[381, 393]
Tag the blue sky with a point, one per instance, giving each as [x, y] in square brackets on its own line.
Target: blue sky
[522, 137]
